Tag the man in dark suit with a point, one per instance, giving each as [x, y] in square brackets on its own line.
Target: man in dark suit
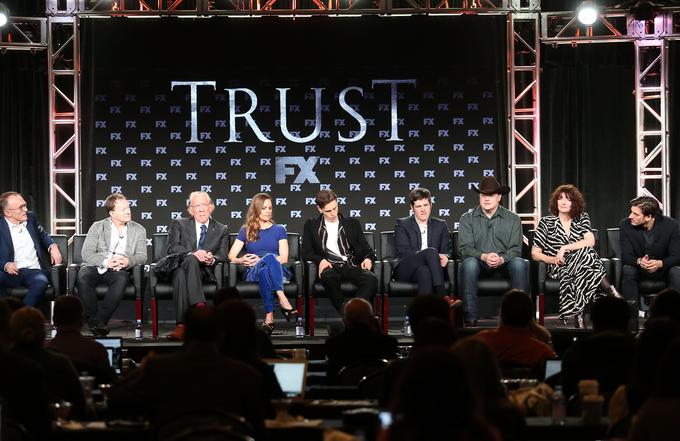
[337, 245]
[650, 247]
[423, 246]
[204, 241]
[24, 249]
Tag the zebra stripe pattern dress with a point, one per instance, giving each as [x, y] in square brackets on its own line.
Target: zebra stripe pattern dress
[582, 271]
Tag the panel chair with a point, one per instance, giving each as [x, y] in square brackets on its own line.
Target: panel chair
[162, 289]
[548, 289]
[490, 287]
[646, 288]
[315, 289]
[396, 288]
[292, 289]
[58, 283]
[133, 292]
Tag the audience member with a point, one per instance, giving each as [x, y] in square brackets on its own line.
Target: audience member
[22, 385]
[512, 341]
[605, 356]
[85, 354]
[666, 304]
[434, 400]
[197, 381]
[484, 375]
[239, 341]
[28, 334]
[360, 340]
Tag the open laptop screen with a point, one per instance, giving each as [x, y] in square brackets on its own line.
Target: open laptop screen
[114, 348]
[292, 376]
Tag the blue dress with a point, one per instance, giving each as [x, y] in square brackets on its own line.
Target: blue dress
[268, 271]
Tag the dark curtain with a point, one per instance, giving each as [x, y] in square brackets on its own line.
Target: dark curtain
[674, 124]
[588, 126]
[24, 129]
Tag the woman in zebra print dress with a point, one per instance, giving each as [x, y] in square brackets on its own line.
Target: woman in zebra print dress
[565, 242]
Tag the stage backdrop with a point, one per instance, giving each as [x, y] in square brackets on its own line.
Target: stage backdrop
[369, 107]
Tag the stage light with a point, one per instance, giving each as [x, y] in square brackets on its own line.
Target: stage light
[4, 14]
[587, 13]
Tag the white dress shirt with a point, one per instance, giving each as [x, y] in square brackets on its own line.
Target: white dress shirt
[117, 245]
[423, 236]
[25, 255]
[332, 238]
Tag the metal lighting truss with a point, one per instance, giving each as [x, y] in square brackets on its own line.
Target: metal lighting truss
[524, 142]
[650, 38]
[24, 33]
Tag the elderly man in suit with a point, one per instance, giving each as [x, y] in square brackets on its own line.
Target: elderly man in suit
[112, 246]
[423, 246]
[204, 242]
[24, 249]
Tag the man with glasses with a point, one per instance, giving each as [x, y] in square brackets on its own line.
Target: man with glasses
[204, 242]
[24, 249]
[112, 246]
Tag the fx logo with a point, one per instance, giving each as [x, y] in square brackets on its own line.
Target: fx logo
[306, 167]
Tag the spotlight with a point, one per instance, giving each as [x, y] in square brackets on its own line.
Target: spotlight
[587, 13]
[4, 14]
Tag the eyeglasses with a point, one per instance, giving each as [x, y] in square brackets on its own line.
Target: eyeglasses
[21, 207]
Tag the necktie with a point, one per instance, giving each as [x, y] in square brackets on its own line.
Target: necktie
[201, 240]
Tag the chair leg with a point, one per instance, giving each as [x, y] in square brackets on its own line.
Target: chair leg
[377, 307]
[154, 317]
[312, 304]
[138, 303]
[386, 314]
[541, 309]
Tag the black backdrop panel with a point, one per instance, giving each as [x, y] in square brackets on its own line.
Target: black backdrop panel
[368, 107]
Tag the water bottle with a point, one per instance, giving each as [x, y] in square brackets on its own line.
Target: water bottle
[407, 326]
[299, 328]
[139, 333]
[53, 331]
[559, 406]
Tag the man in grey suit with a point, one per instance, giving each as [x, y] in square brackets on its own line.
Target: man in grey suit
[111, 247]
[205, 242]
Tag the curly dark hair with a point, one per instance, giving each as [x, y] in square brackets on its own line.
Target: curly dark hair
[578, 205]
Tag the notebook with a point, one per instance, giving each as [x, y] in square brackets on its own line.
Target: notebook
[292, 376]
[114, 347]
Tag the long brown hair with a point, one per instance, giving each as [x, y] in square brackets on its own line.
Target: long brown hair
[253, 216]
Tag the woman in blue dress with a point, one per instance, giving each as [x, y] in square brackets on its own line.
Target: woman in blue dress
[266, 253]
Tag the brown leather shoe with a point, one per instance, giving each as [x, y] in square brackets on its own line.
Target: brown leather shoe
[471, 324]
[453, 302]
[178, 333]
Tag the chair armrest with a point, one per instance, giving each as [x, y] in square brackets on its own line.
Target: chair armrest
[233, 274]
[310, 276]
[138, 279]
[220, 274]
[153, 279]
[378, 271]
[387, 269]
[450, 269]
[298, 273]
[541, 275]
[618, 269]
[58, 275]
[71, 277]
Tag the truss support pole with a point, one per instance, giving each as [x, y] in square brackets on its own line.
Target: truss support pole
[523, 110]
[63, 47]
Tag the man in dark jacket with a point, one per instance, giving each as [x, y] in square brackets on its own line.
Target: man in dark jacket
[338, 247]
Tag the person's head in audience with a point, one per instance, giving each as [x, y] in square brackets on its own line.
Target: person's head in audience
[358, 314]
[14, 303]
[666, 304]
[667, 378]
[610, 314]
[201, 327]
[5, 333]
[434, 400]
[517, 309]
[68, 313]
[481, 366]
[425, 306]
[652, 344]
[224, 294]
[433, 331]
[28, 327]
[237, 322]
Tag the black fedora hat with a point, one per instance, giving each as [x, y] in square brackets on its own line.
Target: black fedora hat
[490, 185]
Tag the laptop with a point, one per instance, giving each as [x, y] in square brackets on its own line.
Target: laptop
[114, 348]
[292, 376]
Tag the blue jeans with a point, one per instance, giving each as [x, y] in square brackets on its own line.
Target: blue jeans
[270, 275]
[516, 268]
[35, 280]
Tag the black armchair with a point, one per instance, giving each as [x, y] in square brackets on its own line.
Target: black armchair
[250, 290]
[57, 277]
[162, 289]
[315, 289]
[134, 290]
[396, 288]
[549, 288]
